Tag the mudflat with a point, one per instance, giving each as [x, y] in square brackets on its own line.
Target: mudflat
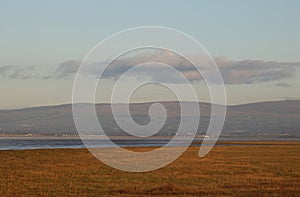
[253, 169]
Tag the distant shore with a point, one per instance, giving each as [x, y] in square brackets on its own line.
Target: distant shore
[265, 137]
[54, 142]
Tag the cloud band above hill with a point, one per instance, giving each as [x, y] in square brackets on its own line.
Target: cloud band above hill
[233, 72]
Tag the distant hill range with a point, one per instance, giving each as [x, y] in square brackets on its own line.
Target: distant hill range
[277, 118]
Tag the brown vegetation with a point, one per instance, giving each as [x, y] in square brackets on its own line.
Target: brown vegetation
[268, 169]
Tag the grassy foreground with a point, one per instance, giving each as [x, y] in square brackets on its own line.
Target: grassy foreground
[266, 169]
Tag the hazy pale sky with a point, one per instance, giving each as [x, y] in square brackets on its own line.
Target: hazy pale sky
[40, 39]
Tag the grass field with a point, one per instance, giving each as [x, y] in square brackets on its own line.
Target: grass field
[261, 169]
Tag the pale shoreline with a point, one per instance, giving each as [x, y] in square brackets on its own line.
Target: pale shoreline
[262, 138]
[194, 144]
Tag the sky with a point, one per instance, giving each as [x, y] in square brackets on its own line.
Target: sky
[255, 44]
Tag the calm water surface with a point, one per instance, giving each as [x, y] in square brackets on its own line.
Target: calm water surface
[23, 143]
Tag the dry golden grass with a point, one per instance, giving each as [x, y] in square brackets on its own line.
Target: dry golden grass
[268, 169]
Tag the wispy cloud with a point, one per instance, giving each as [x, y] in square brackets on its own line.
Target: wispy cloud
[283, 84]
[67, 69]
[233, 72]
[255, 71]
[17, 72]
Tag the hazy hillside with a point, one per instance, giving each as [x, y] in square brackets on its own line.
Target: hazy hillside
[279, 118]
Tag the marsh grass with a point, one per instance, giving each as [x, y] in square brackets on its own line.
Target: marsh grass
[271, 169]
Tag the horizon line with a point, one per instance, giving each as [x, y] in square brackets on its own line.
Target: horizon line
[147, 102]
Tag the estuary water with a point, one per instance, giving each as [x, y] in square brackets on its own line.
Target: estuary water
[24, 143]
